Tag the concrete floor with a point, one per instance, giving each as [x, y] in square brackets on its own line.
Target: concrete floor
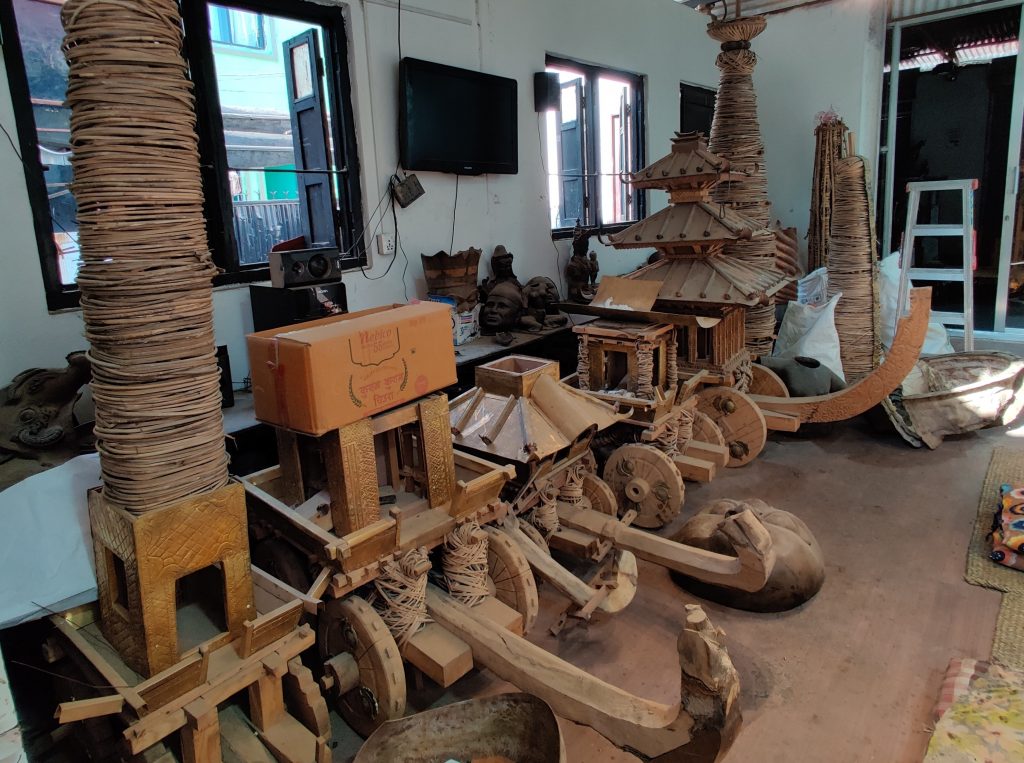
[852, 675]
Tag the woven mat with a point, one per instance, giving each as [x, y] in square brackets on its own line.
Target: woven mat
[1007, 465]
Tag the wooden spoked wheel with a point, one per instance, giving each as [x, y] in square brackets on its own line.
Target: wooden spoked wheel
[704, 430]
[601, 497]
[643, 478]
[351, 626]
[740, 420]
[510, 576]
[766, 382]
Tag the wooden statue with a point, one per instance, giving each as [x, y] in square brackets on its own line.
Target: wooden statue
[582, 269]
[37, 412]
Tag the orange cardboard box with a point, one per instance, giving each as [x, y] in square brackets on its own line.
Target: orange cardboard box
[317, 376]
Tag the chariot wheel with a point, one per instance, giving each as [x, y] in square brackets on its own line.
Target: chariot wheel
[510, 577]
[643, 478]
[351, 626]
[765, 381]
[740, 420]
[704, 430]
[601, 497]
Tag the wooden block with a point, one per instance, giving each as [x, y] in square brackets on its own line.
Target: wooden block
[96, 707]
[200, 737]
[706, 451]
[266, 701]
[441, 656]
[694, 469]
[501, 615]
[290, 741]
[780, 422]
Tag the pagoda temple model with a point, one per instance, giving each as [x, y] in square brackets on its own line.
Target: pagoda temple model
[698, 279]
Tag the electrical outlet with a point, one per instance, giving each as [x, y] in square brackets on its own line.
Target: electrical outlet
[386, 244]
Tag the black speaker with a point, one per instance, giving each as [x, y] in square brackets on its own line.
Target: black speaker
[273, 308]
[305, 267]
[547, 95]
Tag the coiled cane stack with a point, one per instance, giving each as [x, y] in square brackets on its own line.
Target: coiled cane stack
[146, 269]
[736, 135]
[829, 138]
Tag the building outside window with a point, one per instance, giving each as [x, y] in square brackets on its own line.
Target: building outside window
[593, 142]
[275, 166]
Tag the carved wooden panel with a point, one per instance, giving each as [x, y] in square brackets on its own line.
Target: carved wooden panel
[352, 477]
[438, 455]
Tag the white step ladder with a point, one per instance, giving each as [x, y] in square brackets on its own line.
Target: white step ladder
[964, 230]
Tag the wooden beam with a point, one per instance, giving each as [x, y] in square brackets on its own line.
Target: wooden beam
[706, 451]
[116, 680]
[95, 707]
[442, 656]
[694, 469]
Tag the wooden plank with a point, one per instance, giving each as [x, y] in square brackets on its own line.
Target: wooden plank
[694, 469]
[316, 591]
[501, 615]
[385, 422]
[438, 458]
[286, 519]
[442, 656]
[97, 707]
[171, 683]
[290, 741]
[268, 628]
[351, 465]
[293, 488]
[427, 528]
[706, 451]
[368, 544]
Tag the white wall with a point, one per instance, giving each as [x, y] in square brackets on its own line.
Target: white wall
[809, 60]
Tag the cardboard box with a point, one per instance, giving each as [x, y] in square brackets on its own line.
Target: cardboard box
[465, 325]
[317, 376]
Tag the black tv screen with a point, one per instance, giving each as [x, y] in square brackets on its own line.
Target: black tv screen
[457, 120]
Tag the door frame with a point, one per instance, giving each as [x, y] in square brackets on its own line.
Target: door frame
[1013, 152]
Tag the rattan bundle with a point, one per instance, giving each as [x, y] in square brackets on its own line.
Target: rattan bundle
[787, 259]
[851, 269]
[146, 268]
[830, 138]
[736, 135]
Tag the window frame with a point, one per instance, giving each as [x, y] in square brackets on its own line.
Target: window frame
[591, 111]
[263, 43]
[217, 204]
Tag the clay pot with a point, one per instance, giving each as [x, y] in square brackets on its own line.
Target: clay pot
[799, 569]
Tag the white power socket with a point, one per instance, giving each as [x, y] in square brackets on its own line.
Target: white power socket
[386, 244]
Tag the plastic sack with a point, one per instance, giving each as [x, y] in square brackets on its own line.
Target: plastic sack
[936, 342]
[810, 331]
[812, 289]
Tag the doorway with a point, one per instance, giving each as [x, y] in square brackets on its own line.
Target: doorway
[952, 117]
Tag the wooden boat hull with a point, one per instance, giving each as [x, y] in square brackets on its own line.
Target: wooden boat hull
[873, 388]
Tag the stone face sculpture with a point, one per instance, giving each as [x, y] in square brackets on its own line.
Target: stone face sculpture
[454, 276]
[36, 411]
[502, 309]
[501, 269]
[541, 296]
[799, 570]
[582, 269]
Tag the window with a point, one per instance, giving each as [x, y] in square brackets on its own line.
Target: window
[233, 27]
[594, 140]
[696, 108]
[276, 133]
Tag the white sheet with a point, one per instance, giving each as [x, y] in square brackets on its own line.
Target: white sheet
[46, 560]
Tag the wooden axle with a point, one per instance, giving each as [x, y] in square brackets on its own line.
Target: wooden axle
[747, 571]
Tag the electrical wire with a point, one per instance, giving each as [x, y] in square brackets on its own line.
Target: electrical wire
[455, 211]
[398, 242]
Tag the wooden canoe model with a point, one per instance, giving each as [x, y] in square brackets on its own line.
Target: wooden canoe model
[515, 727]
[873, 388]
[706, 717]
[957, 393]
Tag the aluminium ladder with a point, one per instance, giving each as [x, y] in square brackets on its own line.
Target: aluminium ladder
[964, 230]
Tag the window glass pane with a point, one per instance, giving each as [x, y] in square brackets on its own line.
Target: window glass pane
[231, 26]
[615, 148]
[565, 152]
[258, 136]
[40, 33]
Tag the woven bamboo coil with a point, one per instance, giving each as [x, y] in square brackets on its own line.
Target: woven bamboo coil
[146, 268]
[830, 137]
[851, 269]
[737, 30]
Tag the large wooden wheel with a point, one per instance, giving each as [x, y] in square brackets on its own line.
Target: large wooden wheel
[704, 430]
[600, 495]
[510, 576]
[765, 381]
[645, 479]
[740, 420]
[351, 626]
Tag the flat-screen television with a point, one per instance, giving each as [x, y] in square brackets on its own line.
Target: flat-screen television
[457, 120]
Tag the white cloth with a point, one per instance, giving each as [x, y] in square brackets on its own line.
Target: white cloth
[46, 559]
[810, 331]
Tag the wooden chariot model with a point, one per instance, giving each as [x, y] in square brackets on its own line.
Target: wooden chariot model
[380, 525]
